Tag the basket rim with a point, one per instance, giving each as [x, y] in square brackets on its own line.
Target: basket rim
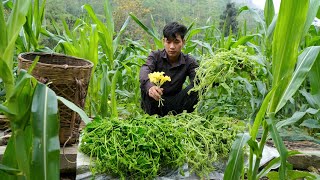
[89, 65]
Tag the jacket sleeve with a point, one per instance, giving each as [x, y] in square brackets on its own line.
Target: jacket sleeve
[192, 70]
[145, 69]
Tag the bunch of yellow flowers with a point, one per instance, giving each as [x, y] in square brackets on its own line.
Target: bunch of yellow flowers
[158, 78]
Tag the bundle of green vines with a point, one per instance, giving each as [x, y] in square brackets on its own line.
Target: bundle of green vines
[230, 83]
[144, 147]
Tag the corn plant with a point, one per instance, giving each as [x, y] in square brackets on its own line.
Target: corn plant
[95, 42]
[151, 31]
[30, 35]
[33, 150]
[288, 71]
[9, 32]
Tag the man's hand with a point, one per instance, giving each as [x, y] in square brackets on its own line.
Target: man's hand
[155, 92]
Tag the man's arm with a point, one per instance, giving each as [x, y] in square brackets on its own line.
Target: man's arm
[192, 70]
[145, 84]
[145, 69]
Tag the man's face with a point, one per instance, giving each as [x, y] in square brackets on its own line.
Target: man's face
[173, 47]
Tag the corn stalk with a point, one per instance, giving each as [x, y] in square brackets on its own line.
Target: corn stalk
[288, 71]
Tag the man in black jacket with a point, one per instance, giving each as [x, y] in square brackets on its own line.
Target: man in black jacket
[175, 64]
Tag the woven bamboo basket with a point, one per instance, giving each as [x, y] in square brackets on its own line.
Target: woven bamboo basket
[68, 77]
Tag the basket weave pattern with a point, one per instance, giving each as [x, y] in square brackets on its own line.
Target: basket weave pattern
[68, 77]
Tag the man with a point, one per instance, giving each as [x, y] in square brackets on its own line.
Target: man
[175, 64]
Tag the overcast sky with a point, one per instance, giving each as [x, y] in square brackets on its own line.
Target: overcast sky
[260, 4]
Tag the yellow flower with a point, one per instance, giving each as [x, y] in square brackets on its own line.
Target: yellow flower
[158, 79]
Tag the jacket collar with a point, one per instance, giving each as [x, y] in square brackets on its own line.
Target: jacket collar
[181, 59]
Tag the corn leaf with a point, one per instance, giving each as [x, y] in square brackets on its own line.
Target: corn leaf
[279, 145]
[243, 39]
[314, 76]
[3, 30]
[236, 159]
[116, 40]
[268, 11]
[14, 24]
[305, 63]
[75, 108]
[105, 89]
[105, 32]
[272, 26]
[9, 170]
[313, 9]
[156, 39]
[6, 75]
[273, 164]
[286, 42]
[115, 78]
[294, 174]
[295, 117]
[9, 160]
[260, 115]
[45, 126]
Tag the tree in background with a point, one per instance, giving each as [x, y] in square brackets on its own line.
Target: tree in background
[121, 10]
[228, 20]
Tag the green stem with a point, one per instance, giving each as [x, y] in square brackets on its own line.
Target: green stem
[259, 156]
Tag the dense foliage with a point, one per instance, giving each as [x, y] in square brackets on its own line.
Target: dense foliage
[230, 83]
[144, 146]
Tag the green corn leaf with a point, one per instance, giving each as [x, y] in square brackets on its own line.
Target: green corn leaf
[9, 170]
[313, 9]
[286, 42]
[116, 41]
[293, 174]
[272, 26]
[66, 28]
[105, 89]
[273, 164]
[105, 32]
[311, 123]
[93, 47]
[314, 76]
[268, 11]
[33, 65]
[6, 75]
[243, 39]
[23, 92]
[295, 117]
[311, 99]
[75, 108]
[305, 63]
[236, 159]
[45, 126]
[9, 159]
[279, 145]
[6, 110]
[114, 111]
[193, 32]
[260, 115]
[254, 146]
[156, 39]
[205, 45]
[3, 30]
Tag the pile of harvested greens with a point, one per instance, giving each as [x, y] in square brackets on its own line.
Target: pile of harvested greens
[230, 83]
[144, 146]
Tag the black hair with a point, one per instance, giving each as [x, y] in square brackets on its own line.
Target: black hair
[173, 28]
